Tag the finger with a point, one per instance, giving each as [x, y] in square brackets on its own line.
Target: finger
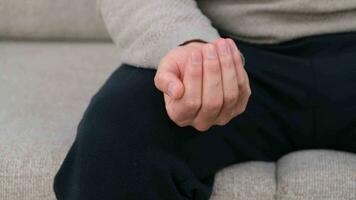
[167, 80]
[193, 84]
[185, 109]
[240, 70]
[245, 93]
[229, 82]
[243, 80]
[212, 95]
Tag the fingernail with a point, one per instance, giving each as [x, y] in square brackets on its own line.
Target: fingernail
[223, 47]
[171, 89]
[196, 58]
[210, 51]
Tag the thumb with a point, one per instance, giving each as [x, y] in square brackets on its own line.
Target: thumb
[169, 83]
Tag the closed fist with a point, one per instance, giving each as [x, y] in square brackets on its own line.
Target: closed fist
[203, 84]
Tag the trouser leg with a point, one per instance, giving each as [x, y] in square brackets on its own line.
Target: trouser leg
[127, 148]
[335, 92]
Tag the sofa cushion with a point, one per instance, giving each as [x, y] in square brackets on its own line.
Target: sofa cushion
[246, 181]
[46, 19]
[317, 174]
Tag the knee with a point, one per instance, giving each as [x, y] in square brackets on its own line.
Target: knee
[120, 123]
[129, 93]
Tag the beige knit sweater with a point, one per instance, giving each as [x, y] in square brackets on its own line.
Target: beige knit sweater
[146, 30]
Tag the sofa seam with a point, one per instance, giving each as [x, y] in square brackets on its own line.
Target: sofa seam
[276, 180]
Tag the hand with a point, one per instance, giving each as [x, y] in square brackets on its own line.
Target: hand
[203, 84]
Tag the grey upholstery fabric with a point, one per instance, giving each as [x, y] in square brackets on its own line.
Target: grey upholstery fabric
[245, 181]
[45, 19]
[317, 174]
[44, 89]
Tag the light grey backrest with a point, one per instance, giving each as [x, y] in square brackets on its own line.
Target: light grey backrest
[49, 19]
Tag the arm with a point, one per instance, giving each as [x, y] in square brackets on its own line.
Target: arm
[148, 30]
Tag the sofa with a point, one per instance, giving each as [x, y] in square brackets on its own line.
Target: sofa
[54, 55]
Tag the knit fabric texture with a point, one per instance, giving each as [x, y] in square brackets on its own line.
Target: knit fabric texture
[147, 30]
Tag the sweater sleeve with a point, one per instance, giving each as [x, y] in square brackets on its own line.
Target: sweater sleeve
[146, 30]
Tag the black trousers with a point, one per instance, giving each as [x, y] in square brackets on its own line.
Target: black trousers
[303, 97]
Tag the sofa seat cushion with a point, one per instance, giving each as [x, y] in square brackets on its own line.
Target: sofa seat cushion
[302, 175]
[46, 19]
[317, 174]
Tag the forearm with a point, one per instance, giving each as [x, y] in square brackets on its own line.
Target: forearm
[147, 30]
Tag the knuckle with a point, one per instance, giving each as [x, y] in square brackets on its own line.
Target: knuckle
[195, 73]
[227, 65]
[242, 81]
[230, 98]
[226, 61]
[213, 66]
[182, 115]
[193, 104]
[215, 84]
[246, 90]
[238, 60]
[177, 120]
[213, 105]
[174, 114]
